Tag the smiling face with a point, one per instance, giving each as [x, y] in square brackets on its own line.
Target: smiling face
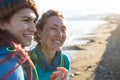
[22, 26]
[53, 34]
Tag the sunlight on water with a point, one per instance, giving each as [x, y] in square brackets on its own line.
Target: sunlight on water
[77, 30]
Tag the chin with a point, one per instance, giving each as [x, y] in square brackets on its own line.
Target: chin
[26, 44]
[57, 49]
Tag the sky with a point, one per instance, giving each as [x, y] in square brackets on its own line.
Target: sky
[80, 7]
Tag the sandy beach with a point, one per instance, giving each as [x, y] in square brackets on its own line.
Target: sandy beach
[99, 59]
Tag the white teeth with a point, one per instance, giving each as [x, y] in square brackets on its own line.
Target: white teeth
[56, 41]
[29, 37]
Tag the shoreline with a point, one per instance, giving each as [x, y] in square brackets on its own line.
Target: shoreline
[87, 59]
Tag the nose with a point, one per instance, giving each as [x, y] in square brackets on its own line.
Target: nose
[32, 27]
[59, 33]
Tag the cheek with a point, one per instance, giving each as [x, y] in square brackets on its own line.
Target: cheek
[44, 36]
[64, 36]
[48, 34]
[64, 39]
[17, 28]
[12, 31]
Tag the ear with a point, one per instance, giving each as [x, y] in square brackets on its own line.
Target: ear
[3, 26]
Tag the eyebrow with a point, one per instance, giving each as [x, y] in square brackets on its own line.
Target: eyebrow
[57, 25]
[28, 17]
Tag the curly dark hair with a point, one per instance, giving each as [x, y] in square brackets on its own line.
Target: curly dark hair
[9, 7]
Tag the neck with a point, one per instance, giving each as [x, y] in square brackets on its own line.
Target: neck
[49, 55]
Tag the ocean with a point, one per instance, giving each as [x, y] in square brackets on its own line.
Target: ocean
[77, 30]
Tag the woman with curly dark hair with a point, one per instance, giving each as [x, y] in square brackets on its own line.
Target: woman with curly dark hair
[17, 26]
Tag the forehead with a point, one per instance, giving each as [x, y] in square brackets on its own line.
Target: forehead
[56, 20]
[26, 12]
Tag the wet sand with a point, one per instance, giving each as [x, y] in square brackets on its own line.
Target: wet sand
[100, 58]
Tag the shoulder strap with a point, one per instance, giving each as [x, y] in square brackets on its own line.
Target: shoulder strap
[63, 61]
[33, 57]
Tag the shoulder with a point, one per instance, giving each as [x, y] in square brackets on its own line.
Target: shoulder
[7, 49]
[66, 57]
[33, 54]
[33, 49]
[3, 50]
[66, 61]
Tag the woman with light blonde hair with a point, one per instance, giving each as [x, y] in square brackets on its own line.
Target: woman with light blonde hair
[50, 36]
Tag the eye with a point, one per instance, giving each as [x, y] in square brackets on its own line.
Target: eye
[26, 20]
[35, 21]
[63, 29]
[53, 27]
